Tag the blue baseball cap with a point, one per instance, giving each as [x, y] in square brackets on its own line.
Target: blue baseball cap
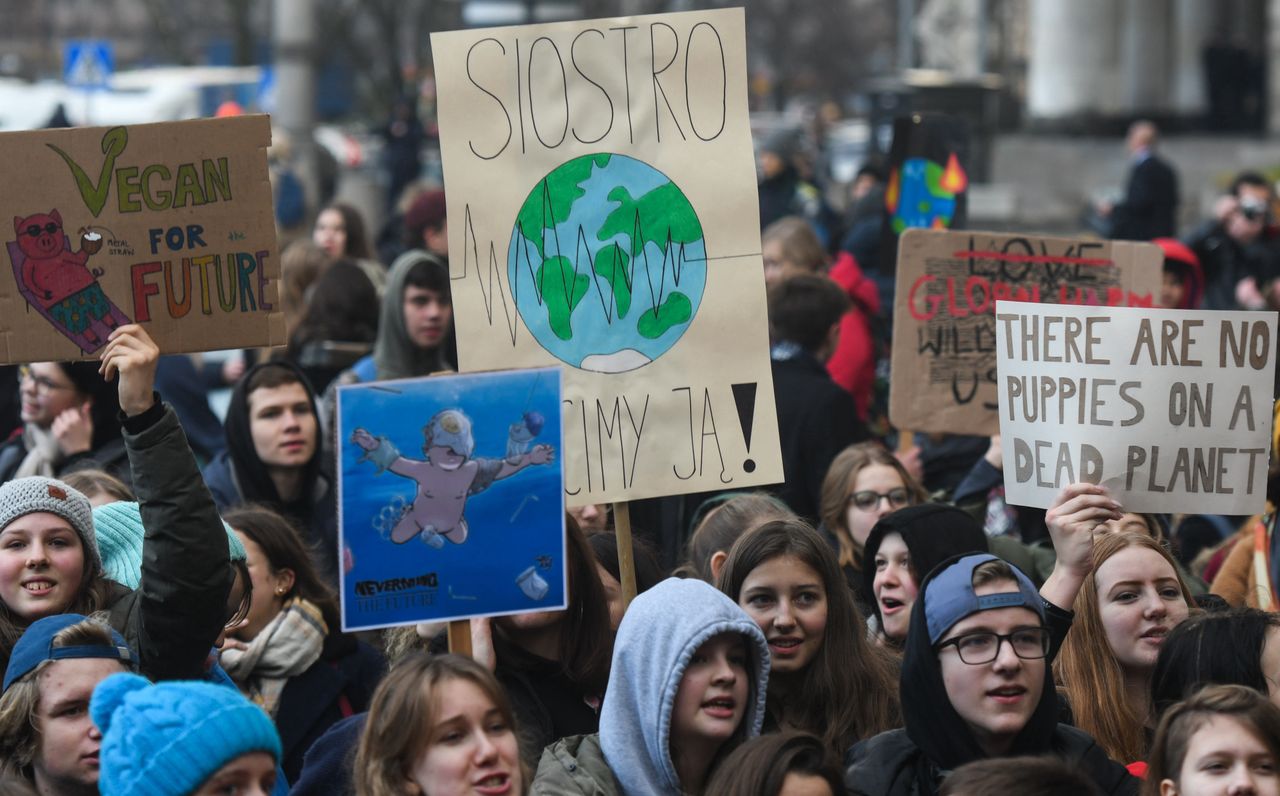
[36, 646]
[950, 596]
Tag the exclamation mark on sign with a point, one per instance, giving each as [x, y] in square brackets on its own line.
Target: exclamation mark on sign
[744, 396]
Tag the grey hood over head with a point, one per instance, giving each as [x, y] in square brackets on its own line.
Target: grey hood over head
[394, 354]
[661, 630]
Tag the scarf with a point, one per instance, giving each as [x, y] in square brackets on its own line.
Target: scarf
[286, 647]
[42, 452]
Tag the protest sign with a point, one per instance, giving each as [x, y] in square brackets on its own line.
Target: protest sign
[1170, 409]
[167, 225]
[451, 498]
[944, 358]
[603, 216]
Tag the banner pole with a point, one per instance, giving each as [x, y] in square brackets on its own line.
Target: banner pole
[626, 557]
[460, 637]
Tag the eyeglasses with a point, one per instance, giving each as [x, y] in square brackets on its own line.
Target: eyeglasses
[868, 499]
[44, 385]
[1029, 644]
[35, 230]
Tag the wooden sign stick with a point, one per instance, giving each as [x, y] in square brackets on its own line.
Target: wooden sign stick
[626, 555]
[460, 637]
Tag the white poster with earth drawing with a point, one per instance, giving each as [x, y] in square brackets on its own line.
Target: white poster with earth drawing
[603, 217]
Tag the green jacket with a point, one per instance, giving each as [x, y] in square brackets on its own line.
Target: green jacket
[174, 617]
[575, 765]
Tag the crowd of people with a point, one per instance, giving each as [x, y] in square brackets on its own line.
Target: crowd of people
[882, 623]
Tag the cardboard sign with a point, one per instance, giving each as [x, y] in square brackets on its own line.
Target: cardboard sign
[602, 216]
[1170, 409]
[167, 225]
[451, 498]
[944, 357]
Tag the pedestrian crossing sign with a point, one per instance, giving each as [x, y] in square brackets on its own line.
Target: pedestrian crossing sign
[87, 63]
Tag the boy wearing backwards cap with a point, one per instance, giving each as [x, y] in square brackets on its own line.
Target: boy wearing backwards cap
[975, 685]
[46, 737]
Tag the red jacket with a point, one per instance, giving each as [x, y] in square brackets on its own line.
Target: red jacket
[853, 365]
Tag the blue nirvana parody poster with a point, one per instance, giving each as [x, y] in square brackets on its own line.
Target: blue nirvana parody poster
[451, 498]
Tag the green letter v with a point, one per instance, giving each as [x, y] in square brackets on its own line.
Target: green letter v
[113, 143]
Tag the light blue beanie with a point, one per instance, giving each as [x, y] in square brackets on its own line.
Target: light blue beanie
[168, 739]
[119, 538]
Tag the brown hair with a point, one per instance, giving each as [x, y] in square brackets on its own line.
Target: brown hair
[402, 712]
[837, 488]
[357, 243]
[285, 549]
[760, 766]
[722, 526]
[850, 689]
[20, 705]
[301, 264]
[799, 243]
[1246, 706]
[1043, 775]
[1087, 668]
[98, 482]
[996, 571]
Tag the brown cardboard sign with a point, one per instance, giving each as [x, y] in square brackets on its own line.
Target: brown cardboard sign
[948, 282]
[167, 225]
[620, 245]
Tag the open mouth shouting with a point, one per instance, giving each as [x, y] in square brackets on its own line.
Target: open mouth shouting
[723, 707]
[496, 784]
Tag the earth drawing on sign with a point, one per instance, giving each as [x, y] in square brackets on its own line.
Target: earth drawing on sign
[607, 263]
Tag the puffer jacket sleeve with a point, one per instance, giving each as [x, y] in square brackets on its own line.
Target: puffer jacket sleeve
[181, 602]
[574, 766]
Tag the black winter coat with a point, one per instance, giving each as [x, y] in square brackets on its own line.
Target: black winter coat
[338, 685]
[890, 764]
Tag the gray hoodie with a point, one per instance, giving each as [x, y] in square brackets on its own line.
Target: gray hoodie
[659, 634]
[394, 353]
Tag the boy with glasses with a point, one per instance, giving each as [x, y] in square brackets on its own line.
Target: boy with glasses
[975, 685]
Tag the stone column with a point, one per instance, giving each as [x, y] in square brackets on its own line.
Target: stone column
[1193, 23]
[1273, 66]
[1145, 61]
[1071, 70]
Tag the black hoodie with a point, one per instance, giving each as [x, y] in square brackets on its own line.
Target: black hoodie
[238, 477]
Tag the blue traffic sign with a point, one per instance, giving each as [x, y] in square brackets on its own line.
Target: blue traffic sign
[87, 63]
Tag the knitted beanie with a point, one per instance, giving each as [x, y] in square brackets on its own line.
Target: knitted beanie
[23, 496]
[168, 739]
[120, 532]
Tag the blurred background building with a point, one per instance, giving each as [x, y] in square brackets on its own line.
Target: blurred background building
[1047, 86]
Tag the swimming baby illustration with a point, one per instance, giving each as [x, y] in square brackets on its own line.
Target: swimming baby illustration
[446, 477]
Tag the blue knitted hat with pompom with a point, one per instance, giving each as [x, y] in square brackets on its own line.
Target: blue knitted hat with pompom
[168, 739]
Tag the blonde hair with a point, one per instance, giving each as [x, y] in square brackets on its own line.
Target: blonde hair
[799, 243]
[837, 488]
[20, 705]
[401, 714]
[1087, 668]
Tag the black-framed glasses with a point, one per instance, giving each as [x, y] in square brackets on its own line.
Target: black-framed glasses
[868, 499]
[1029, 644]
[35, 230]
[44, 385]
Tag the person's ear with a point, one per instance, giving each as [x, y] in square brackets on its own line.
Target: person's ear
[717, 563]
[284, 579]
[1168, 788]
